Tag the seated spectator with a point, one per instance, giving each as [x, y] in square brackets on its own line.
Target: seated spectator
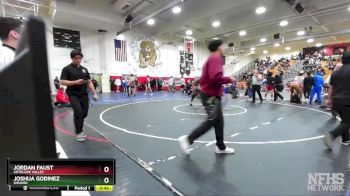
[231, 89]
[62, 99]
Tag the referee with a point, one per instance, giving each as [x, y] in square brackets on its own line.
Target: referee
[77, 79]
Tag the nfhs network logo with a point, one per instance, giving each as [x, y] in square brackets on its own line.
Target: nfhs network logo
[333, 182]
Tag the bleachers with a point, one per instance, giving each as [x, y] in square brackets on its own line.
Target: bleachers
[276, 68]
[328, 72]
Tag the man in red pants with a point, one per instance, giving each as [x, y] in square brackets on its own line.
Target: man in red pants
[211, 84]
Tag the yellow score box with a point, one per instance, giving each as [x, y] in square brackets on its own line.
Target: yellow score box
[104, 188]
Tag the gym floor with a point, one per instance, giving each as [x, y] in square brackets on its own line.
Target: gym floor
[277, 145]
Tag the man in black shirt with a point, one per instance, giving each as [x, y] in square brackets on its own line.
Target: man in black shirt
[153, 84]
[77, 80]
[308, 83]
[160, 84]
[339, 99]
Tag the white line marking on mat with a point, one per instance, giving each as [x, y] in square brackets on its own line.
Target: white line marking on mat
[175, 139]
[171, 158]
[175, 108]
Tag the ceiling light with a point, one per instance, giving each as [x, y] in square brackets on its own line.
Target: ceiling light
[310, 40]
[287, 48]
[260, 10]
[301, 33]
[318, 45]
[265, 51]
[151, 21]
[215, 38]
[189, 32]
[252, 49]
[177, 9]
[263, 39]
[283, 23]
[242, 33]
[121, 37]
[276, 45]
[215, 24]
[349, 8]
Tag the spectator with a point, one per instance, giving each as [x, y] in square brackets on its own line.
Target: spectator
[153, 84]
[57, 83]
[256, 85]
[118, 83]
[183, 84]
[94, 82]
[160, 84]
[9, 34]
[171, 84]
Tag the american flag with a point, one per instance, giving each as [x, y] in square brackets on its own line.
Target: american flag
[120, 50]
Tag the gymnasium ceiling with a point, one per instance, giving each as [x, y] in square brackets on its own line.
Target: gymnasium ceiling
[329, 19]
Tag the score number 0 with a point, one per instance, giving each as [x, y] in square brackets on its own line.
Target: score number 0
[106, 170]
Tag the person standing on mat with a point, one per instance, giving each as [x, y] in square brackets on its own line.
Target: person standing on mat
[339, 99]
[9, 34]
[317, 87]
[77, 79]
[211, 84]
[153, 84]
[160, 84]
[278, 87]
[308, 83]
[171, 84]
[195, 89]
[148, 86]
[256, 85]
[269, 82]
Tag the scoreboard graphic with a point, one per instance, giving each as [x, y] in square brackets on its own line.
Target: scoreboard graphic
[65, 38]
[61, 175]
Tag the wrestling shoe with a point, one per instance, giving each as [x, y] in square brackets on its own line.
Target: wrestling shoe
[226, 151]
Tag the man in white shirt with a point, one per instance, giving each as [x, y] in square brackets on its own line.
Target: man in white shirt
[171, 84]
[9, 34]
[118, 83]
[183, 85]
